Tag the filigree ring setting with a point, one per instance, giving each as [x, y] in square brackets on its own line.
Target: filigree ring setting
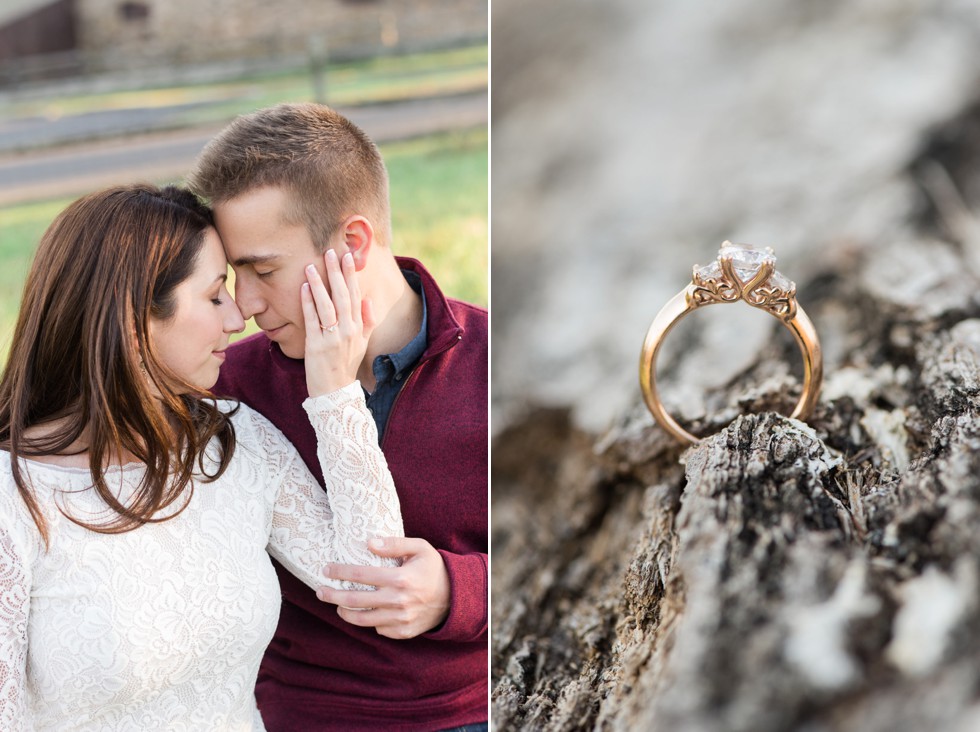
[745, 273]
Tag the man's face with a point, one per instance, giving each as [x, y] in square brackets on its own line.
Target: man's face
[269, 257]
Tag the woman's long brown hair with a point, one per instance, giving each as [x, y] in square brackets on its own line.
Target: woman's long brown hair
[82, 357]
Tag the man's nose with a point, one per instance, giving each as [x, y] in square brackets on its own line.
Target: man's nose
[247, 295]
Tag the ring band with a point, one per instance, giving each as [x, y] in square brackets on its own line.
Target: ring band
[739, 273]
[330, 328]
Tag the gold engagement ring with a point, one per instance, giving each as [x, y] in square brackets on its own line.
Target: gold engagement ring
[329, 328]
[742, 273]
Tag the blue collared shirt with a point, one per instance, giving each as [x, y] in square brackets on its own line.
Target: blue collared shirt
[392, 370]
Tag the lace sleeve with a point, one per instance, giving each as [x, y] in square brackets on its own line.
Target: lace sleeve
[310, 528]
[15, 602]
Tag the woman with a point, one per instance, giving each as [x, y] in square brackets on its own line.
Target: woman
[135, 510]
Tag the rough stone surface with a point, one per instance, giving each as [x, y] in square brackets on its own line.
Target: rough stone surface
[778, 576]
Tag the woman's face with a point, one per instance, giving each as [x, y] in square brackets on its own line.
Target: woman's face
[192, 342]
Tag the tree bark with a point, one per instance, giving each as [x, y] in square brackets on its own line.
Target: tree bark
[777, 575]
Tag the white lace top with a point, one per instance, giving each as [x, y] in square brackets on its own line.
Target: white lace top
[163, 627]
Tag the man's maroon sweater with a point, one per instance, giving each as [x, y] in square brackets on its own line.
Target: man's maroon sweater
[321, 673]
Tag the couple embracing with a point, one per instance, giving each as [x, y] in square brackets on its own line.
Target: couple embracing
[151, 469]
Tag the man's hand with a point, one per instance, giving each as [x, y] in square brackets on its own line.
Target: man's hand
[410, 600]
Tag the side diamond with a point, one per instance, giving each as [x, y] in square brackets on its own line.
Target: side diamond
[709, 271]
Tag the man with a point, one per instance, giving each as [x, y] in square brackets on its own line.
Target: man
[288, 184]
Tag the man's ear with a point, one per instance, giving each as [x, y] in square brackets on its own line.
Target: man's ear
[358, 238]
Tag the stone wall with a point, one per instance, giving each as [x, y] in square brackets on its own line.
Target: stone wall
[124, 33]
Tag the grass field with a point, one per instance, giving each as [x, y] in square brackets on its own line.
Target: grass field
[439, 195]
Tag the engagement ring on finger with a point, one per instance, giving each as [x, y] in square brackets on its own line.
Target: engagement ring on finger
[330, 328]
[744, 273]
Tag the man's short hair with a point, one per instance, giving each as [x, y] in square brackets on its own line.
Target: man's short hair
[328, 166]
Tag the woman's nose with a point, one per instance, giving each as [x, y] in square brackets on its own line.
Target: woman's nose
[234, 322]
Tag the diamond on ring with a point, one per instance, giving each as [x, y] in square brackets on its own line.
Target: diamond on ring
[744, 272]
[330, 328]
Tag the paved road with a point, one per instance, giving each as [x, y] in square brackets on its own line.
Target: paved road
[27, 133]
[78, 168]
